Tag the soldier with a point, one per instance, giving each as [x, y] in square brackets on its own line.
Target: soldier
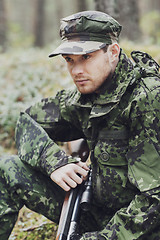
[116, 108]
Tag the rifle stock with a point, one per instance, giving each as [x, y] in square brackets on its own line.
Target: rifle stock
[70, 212]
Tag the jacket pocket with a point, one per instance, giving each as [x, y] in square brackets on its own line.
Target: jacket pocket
[110, 176]
[144, 166]
[112, 153]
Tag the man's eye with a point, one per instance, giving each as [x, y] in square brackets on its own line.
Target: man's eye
[86, 56]
[68, 59]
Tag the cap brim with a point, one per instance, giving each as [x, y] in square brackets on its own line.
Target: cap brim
[77, 47]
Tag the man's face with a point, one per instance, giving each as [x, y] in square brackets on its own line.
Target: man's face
[89, 71]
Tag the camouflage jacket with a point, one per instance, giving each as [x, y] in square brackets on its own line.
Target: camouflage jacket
[122, 126]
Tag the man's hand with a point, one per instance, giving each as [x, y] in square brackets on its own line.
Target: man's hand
[70, 175]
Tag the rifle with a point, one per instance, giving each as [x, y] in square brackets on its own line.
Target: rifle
[77, 198]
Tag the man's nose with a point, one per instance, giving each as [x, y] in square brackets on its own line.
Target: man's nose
[77, 69]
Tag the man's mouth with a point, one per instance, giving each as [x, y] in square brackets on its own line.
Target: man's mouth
[81, 81]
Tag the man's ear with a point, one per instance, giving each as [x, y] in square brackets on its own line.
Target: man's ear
[114, 51]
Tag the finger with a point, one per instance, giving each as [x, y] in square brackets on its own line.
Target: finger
[83, 165]
[64, 186]
[70, 182]
[81, 171]
[59, 181]
[76, 178]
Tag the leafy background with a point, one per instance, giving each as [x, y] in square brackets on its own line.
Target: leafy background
[26, 76]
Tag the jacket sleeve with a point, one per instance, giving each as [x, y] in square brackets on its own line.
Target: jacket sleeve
[141, 218]
[39, 128]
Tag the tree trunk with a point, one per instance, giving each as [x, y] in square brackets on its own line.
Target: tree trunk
[107, 6]
[39, 23]
[129, 19]
[148, 5]
[81, 5]
[3, 26]
[125, 12]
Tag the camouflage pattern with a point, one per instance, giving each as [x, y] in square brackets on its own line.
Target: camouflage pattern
[20, 185]
[123, 126]
[86, 32]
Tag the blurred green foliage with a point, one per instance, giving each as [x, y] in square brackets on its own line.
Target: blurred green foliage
[27, 75]
[45, 231]
[17, 36]
[150, 26]
[153, 50]
[31, 225]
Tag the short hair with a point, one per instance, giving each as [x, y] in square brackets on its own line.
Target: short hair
[105, 48]
[107, 45]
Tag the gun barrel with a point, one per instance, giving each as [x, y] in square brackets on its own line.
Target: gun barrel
[75, 213]
[67, 214]
[70, 213]
[87, 193]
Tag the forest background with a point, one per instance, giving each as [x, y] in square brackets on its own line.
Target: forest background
[29, 31]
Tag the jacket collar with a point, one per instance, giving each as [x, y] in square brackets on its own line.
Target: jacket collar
[122, 77]
[113, 90]
[126, 73]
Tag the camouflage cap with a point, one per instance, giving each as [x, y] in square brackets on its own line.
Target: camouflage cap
[86, 32]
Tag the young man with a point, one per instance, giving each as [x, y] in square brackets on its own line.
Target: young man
[116, 108]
